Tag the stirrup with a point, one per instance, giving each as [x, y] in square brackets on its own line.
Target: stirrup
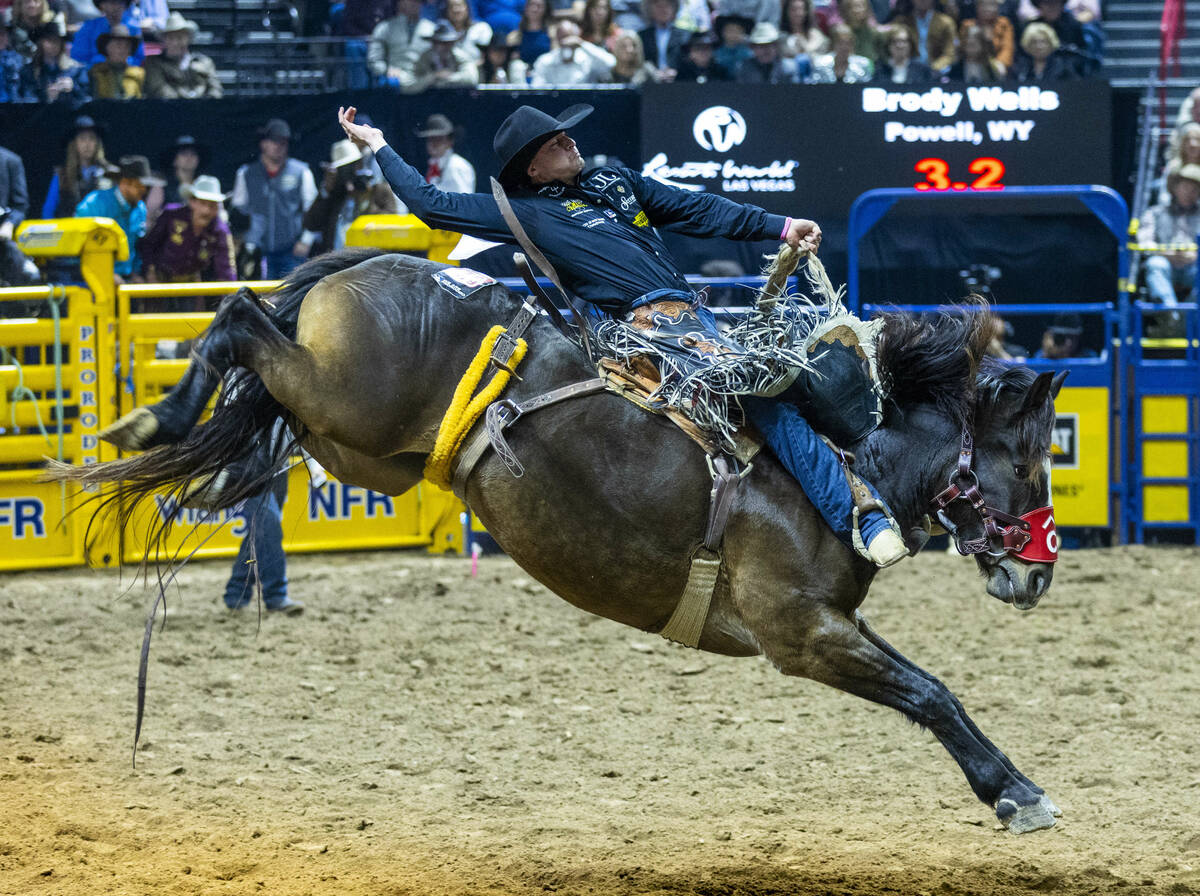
[888, 547]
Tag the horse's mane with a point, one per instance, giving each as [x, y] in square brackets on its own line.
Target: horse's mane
[933, 359]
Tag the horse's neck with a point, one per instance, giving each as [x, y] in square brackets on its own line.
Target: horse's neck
[908, 460]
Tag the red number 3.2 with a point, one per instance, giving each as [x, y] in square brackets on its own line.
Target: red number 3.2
[937, 174]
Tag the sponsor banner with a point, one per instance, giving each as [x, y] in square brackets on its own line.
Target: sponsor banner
[36, 525]
[1080, 455]
[812, 150]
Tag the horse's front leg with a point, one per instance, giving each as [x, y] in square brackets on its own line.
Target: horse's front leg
[832, 650]
[871, 635]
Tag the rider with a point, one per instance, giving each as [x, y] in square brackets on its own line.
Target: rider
[599, 232]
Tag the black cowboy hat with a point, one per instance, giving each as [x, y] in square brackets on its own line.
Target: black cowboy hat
[275, 129]
[53, 28]
[183, 141]
[117, 32]
[138, 168]
[522, 134]
[437, 125]
[84, 123]
[721, 21]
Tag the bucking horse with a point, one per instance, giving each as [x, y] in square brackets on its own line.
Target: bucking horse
[360, 352]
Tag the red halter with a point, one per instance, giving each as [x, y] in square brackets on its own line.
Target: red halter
[1031, 537]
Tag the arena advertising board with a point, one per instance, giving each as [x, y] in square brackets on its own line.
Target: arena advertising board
[1079, 451]
[813, 149]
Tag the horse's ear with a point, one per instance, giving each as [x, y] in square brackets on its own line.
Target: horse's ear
[1038, 392]
[1058, 383]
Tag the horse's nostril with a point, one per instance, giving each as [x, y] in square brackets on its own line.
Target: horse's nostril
[1037, 583]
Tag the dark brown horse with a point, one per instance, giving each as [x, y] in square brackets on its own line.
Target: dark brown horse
[360, 352]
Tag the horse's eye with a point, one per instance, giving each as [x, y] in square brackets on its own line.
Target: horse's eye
[1021, 470]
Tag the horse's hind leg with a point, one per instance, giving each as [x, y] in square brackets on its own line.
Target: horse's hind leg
[239, 321]
[833, 651]
[871, 635]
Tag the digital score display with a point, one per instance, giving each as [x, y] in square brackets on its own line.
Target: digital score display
[811, 150]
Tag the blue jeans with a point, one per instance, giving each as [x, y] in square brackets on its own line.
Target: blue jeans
[281, 263]
[1162, 278]
[264, 524]
[812, 463]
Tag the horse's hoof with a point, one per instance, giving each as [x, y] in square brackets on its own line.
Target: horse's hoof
[1049, 806]
[133, 432]
[1023, 819]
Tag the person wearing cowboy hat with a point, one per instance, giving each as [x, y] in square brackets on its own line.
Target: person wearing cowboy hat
[84, 168]
[177, 72]
[114, 78]
[85, 48]
[598, 230]
[444, 64]
[768, 65]
[125, 204]
[1173, 226]
[348, 189]
[51, 75]
[274, 191]
[191, 243]
[447, 170]
[182, 162]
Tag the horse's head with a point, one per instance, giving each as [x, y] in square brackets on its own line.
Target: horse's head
[997, 504]
[994, 496]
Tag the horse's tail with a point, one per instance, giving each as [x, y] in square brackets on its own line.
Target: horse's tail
[233, 455]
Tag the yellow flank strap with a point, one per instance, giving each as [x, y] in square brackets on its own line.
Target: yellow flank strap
[465, 410]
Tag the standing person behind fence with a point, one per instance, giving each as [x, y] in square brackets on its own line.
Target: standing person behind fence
[14, 196]
[191, 243]
[125, 204]
[178, 72]
[182, 164]
[84, 169]
[348, 190]
[115, 78]
[1173, 225]
[274, 191]
[446, 169]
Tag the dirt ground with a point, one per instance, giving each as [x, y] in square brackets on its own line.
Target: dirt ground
[423, 731]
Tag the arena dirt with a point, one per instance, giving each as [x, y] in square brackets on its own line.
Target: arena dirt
[422, 731]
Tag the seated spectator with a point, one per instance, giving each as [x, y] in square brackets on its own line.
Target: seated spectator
[191, 243]
[357, 20]
[1072, 42]
[1062, 339]
[975, 63]
[85, 169]
[150, 16]
[501, 64]
[52, 76]
[182, 163]
[732, 50]
[700, 64]
[475, 34]
[1001, 344]
[114, 78]
[599, 25]
[446, 170]
[856, 14]
[768, 65]
[1189, 109]
[631, 66]
[124, 204]
[85, 47]
[533, 34]
[11, 63]
[801, 36]
[997, 29]
[397, 43]
[896, 64]
[572, 62]
[1173, 225]
[22, 18]
[348, 190]
[937, 33]
[444, 64]
[1040, 61]
[662, 41]
[177, 72]
[843, 65]
[1183, 149]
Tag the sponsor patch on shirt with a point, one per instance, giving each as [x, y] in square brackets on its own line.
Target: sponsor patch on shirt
[640, 220]
[461, 282]
[574, 205]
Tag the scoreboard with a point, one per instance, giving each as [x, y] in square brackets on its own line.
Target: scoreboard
[812, 149]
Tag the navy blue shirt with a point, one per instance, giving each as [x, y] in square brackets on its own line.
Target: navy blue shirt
[599, 233]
